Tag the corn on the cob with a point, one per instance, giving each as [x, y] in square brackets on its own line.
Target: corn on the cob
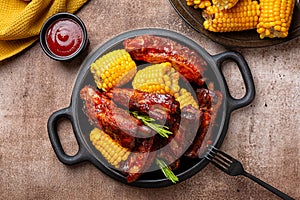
[162, 78]
[186, 98]
[275, 18]
[224, 4]
[158, 78]
[198, 3]
[243, 16]
[115, 68]
[112, 151]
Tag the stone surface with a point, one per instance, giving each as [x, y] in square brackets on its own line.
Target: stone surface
[264, 136]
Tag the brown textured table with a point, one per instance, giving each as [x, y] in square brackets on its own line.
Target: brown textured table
[265, 136]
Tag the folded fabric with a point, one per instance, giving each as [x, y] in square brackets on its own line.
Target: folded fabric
[21, 21]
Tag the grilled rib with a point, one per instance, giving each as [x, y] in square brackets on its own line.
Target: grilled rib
[104, 114]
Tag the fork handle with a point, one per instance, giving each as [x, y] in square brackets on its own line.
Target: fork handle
[269, 187]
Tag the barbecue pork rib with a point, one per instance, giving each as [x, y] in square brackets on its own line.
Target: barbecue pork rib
[160, 107]
[156, 49]
[104, 114]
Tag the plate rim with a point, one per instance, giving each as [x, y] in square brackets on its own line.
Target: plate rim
[183, 11]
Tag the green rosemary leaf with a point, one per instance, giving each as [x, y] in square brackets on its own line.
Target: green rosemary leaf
[166, 170]
[148, 121]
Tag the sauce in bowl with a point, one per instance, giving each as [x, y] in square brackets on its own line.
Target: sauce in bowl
[64, 37]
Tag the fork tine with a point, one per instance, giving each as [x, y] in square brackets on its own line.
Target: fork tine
[218, 165]
[209, 156]
[221, 156]
[222, 153]
[218, 160]
[221, 161]
[224, 159]
[214, 152]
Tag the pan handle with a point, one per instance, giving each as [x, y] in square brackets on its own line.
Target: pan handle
[234, 103]
[81, 155]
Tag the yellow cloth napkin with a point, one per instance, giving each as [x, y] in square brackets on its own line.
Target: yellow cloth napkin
[21, 21]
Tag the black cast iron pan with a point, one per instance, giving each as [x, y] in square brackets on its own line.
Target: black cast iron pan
[188, 167]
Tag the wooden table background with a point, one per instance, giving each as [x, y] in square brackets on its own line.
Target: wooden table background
[265, 136]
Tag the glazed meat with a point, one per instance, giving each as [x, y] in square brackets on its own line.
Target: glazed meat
[105, 115]
[208, 99]
[157, 106]
[204, 97]
[209, 102]
[192, 152]
[155, 49]
[140, 159]
[183, 136]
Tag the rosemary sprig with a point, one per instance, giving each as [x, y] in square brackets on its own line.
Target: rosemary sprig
[148, 121]
[166, 170]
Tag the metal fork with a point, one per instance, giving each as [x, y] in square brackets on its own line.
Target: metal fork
[233, 167]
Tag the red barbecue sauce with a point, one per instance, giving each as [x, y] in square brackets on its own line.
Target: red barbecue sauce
[64, 37]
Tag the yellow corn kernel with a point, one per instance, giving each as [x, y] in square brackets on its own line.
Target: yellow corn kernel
[275, 18]
[112, 151]
[158, 78]
[243, 16]
[198, 3]
[185, 98]
[115, 68]
[224, 4]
